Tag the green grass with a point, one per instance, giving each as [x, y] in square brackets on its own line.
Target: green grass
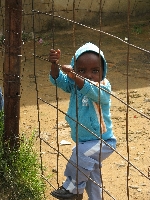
[20, 174]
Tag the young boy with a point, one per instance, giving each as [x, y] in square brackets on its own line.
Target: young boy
[91, 108]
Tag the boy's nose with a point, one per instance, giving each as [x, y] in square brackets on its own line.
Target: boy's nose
[88, 76]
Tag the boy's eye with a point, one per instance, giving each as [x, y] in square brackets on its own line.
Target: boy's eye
[81, 71]
[96, 71]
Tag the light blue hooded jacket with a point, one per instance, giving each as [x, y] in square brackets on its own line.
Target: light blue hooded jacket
[93, 104]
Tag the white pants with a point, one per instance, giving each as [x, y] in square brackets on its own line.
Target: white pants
[90, 156]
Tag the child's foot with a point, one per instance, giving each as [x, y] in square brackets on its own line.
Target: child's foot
[62, 193]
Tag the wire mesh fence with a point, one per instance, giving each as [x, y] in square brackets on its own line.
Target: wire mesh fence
[122, 32]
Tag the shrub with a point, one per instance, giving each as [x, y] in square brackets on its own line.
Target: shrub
[20, 174]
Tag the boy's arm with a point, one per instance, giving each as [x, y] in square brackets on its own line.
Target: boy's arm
[92, 90]
[54, 57]
[54, 72]
[71, 74]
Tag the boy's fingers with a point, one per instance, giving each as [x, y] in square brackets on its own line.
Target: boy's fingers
[58, 51]
[55, 51]
[52, 51]
[53, 58]
[69, 71]
[66, 68]
[54, 55]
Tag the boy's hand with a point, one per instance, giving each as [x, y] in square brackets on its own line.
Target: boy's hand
[73, 75]
[54, 56]
[69, 71]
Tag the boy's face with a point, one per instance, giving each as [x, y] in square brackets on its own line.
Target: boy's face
[89, 66]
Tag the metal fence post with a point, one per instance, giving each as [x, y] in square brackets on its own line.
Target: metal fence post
[12, 63]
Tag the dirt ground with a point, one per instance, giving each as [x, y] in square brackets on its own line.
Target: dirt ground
[41, 114]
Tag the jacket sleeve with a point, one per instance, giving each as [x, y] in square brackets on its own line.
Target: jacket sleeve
[62, 82]
[97, 92]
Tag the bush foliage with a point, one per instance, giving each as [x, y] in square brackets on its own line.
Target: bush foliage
[20, 174]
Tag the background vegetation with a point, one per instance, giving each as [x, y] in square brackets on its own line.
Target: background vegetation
[20, 175]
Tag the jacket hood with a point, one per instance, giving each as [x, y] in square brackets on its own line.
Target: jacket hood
[90, 47]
